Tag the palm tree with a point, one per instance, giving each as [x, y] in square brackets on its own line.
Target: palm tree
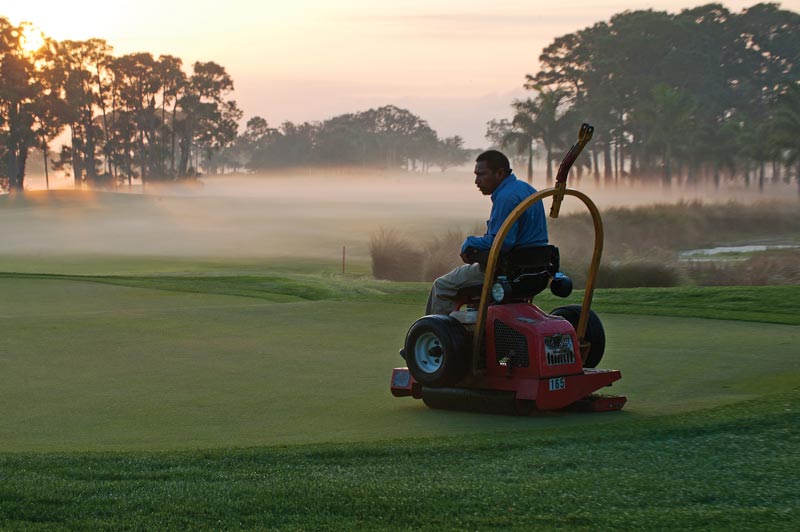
[523, 134]
[669, 114]
[505, 134]
[717, 144]
[548, 123]
[786, 126]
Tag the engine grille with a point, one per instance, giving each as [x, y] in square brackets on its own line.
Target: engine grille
[559, 350]
[510, 345]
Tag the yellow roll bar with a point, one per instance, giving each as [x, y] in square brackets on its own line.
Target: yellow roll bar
[558, 192]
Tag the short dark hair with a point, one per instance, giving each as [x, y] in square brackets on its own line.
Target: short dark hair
[495, 160]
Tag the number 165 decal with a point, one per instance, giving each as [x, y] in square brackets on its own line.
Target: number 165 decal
[558, 383]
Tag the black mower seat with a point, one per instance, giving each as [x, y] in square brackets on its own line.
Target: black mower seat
[527, 268]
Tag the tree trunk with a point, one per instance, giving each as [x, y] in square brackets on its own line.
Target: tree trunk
[185, 144]
[153, 164]
[11, 169]
[11, 149]
[77, 163]
[128, 162]
[183, 163]
[91, 169]
[549, 165]
[161, 138]
[761, 166]
[607, 171]
[530, 163]
[107, 162]
[797, 178]
[172, 139]
[22, 159]
[44, 156]
[112, 149]
[142, 157]
[595, 166]
[667, 177]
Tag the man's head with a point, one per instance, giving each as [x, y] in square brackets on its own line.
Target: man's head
[491, 167]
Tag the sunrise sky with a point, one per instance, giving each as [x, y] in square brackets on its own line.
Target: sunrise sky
[456, 63]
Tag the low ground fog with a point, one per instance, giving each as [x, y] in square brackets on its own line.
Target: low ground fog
[302, 215]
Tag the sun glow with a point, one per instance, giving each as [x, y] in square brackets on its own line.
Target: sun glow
[32, 39]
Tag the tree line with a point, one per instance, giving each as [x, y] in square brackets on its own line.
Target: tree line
[704, 94]
[386, 137]
[136, 116]
[126, 116]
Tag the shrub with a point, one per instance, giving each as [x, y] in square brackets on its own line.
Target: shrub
[637, 274]
[766, 268]
[686, 225]
[394, 258]
[441, 255]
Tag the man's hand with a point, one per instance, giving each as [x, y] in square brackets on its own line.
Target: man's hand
[472, 255]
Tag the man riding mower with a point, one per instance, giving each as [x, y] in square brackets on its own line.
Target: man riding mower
[497, 351]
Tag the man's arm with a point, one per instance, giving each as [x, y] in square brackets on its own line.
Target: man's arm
[500, 211]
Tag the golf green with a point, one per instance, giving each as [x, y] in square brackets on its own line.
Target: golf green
[94, 366]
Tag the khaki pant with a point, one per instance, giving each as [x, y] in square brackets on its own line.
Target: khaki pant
[444, 289]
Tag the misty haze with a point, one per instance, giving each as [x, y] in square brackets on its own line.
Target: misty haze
[309, 214]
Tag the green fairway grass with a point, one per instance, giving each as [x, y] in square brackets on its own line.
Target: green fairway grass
[727, 468]
[167, 395]
[170, 362]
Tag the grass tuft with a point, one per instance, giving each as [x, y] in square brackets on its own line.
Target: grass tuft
[637, 274]
[393, 257]
[441, 255]
[766, 268]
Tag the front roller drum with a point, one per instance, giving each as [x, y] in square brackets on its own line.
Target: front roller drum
[482, 401]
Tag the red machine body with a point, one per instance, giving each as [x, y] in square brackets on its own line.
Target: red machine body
[534, 357]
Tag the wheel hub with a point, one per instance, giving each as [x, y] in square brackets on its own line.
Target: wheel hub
[428, 352]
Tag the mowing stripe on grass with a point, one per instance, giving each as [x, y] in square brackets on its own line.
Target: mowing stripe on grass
[81, 367]
[767, 304]
[727, 468]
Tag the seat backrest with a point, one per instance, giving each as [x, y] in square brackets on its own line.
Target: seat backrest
[527, 268]
[525, 260]
[530, 268]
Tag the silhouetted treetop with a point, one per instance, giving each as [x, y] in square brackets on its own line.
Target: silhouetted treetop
[692, 94]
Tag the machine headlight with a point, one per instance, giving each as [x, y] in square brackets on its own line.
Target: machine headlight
[498, 292]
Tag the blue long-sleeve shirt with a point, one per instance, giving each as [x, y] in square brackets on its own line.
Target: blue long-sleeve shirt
[529, 230]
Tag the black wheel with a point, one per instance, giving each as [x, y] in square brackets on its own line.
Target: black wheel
[437, 351]
[595, 334]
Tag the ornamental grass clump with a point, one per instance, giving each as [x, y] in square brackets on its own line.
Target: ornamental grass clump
[394, 258]
[441, 255]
